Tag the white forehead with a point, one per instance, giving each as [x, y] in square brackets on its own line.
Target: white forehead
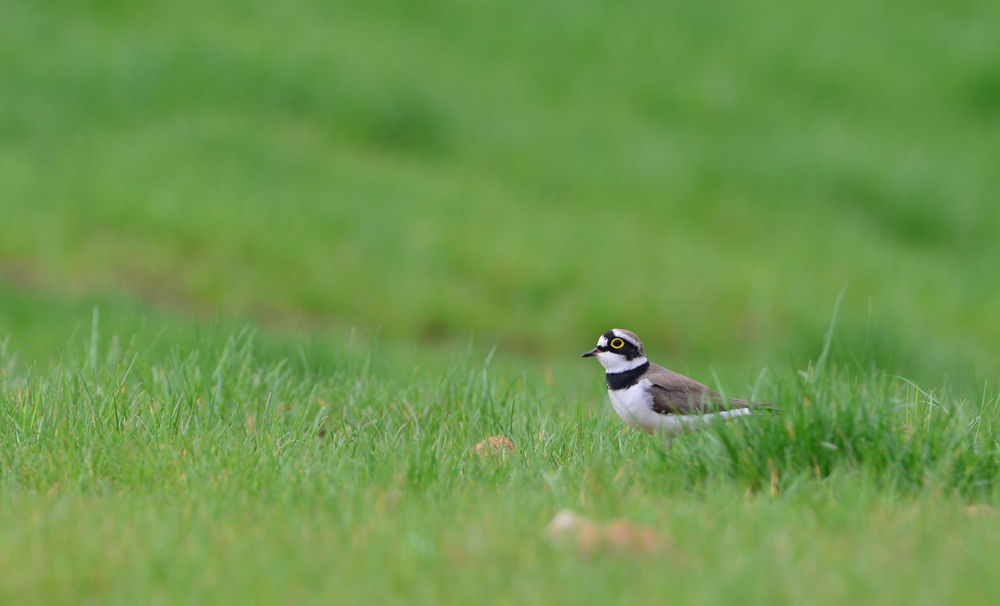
[602, 342]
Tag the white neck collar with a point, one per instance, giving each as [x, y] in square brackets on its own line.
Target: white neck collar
[615, 363]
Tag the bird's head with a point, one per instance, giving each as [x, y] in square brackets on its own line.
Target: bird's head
[618, 350]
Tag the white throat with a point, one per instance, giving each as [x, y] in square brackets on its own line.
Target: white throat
[613, 362]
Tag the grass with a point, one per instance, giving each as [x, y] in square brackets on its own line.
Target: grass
[531, 175]
[224, 473]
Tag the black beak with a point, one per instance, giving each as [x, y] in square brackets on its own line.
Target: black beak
[592, 352]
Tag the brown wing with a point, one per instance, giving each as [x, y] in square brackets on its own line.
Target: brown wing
[673, 393]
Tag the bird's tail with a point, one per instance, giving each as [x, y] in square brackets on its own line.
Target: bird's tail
[752, 405]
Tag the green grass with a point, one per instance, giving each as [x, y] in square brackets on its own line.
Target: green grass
[332, 246]
[709, 177]
[223, 473]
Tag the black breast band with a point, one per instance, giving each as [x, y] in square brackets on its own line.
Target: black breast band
[625, 379]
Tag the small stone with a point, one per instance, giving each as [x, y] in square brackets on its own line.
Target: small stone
[588, 536]
[495, 445]
[570, 527]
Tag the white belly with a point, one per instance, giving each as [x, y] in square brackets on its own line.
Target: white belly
[635, 406]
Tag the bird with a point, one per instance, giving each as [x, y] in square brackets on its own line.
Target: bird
[654, 399]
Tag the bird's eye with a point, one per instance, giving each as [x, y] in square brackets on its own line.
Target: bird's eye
[617, 343]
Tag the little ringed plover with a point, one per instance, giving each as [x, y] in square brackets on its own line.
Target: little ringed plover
[655, 399]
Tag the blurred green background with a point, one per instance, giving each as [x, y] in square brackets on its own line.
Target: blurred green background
[522, 174]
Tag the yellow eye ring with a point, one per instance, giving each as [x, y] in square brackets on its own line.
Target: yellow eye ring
[617, 343]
